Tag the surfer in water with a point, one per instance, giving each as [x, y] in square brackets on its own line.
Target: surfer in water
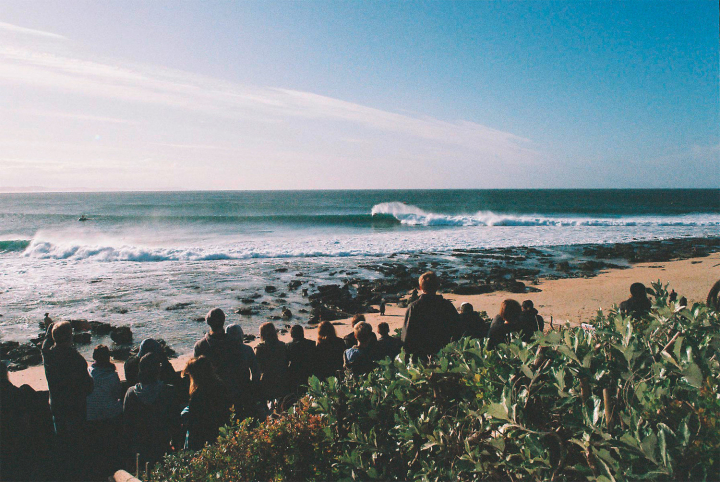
[82, 218]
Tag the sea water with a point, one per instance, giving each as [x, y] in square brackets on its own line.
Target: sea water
[158, 260]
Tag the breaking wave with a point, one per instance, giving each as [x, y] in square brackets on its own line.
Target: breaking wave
[414, 216]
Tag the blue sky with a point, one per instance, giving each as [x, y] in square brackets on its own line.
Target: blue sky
[278, 95]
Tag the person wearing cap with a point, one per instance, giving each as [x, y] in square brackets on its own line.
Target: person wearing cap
[431, 321]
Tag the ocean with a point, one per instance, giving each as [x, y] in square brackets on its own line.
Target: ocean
[157, 261]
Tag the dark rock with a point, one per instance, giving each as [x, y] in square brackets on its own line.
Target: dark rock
[80, 325]
[248, 338]
[23, 356]
[472, 289]
[294, 284]
[120, 352]
[302, 310]
[169, 352]
[247, 301]
[245, 311]
[270, 289]
[281, 270]
[286, 314]
[199, 319]
[6, 347]
[179, 306]
[83, 338]
[255, 296]
[100, 327]
[122, 335]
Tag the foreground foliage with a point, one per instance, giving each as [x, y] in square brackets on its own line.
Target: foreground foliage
[633, 400]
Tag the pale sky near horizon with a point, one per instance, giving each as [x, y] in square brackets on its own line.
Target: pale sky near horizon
[342, 95]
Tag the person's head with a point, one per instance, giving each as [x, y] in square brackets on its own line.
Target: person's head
[216, 319]
[466, 308]
[62, 333]
[384, 329]
[637, 290]
[101, 354]
[201, 373]
[510, 310]
[527, 305]
[149, 369]
[149, 345]
[297, 332]
[357, 319]
[429, 282]
[268, 333]
[235, 332]
[682, 301]
[326, 331]
[363, 333]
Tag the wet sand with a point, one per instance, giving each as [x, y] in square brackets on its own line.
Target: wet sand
[572, 300]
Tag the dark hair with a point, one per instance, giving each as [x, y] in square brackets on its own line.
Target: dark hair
[527, 304]
[363, 332]
[357, 319]
[215, 318]
[149, 368]
[62, 332]
[510, 310]
[268, 333]
[637, 290]
[383, 328]
[101, 354]
[429, 282]
[326, 332]
[297, 332]
[201, 373]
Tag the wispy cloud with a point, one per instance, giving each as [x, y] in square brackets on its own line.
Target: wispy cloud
[8, 27]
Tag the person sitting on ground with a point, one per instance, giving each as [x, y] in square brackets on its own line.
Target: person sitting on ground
[471, 324]
[149, 345]
[209, 407]
[349, 339]
[506, 322]
[69, 384]
[300, 352]
[431, 321]
[386, 346]
[231, 362]
[328, 352]
[638, 304]
[530, 321]
[358, 359]
[683, 302]
[104, 415]
[151, 419]
[271, 355]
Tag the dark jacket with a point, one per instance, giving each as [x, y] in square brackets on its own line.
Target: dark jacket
[387, 347]
[301, 358]
[499, 331]
[635, 307]
[272, 358]
[430, 323]
[167, 372]
[329, 358]
[358, 360]
[530, 322]
[209, 409]
[69, 382]
[150, 419]
[472, 325]
[233, 364]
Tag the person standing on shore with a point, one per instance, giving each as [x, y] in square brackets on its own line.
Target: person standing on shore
[69, 384]
[638, 304]
[227, 356]
[382, 307]
[431, 321]
[300, 353]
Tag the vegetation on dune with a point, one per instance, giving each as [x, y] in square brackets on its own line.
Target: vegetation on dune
[631, 400]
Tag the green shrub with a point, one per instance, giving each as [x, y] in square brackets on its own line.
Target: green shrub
[633, 400]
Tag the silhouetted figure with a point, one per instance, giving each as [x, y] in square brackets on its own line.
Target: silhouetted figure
[349, 339]
[471, 324]
[672, 297]
[104, 415]
[328, 352]
[209, 407]
[47, 321]
[506, 322]
[530, 321]
[301, 357]
[150, 416]
[149, 345]
[249, 382]
[17, 430]
[638, 304]
[271, 355]
[386, 346]
[358, 359]
[430, 322]
[413, 295]
[683, 302]
[382, 307]
[232, 363]
[69, 384]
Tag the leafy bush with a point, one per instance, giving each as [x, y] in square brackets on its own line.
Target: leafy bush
[632, 400]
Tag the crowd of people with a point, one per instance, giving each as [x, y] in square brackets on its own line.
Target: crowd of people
[98, 426]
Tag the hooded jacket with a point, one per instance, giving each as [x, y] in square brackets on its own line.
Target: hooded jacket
[232, 363]
[105, 401]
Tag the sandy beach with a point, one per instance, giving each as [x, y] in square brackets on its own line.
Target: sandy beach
[564, 300]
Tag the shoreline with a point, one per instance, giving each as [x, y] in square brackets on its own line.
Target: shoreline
[572, 300]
